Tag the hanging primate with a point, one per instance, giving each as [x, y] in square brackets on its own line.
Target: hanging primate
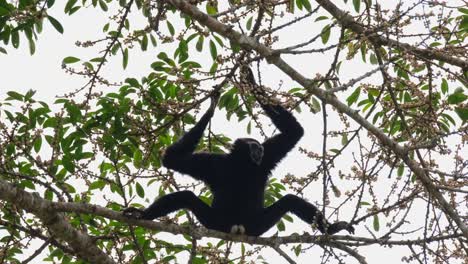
[237, 180]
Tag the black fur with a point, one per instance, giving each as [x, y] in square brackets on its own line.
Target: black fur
[236, 181]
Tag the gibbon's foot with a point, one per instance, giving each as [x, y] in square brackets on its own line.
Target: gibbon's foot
[237, 230]
[326, 228]
[338, 226]
[133, 213]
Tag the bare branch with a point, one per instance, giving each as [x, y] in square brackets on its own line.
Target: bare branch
[80, 242]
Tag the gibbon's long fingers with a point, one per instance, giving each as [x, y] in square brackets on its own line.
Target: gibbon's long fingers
[133, 213]
[214, 100]
[338, 226]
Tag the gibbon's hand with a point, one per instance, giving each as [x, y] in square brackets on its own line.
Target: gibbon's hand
[214, 101]
[133, 213]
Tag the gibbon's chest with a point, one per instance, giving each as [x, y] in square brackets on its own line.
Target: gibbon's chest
[232, 176]
[243, 171]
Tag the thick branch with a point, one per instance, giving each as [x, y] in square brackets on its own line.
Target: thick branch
[323, 240]
[274, 58]
[81, 243]
[348, 21]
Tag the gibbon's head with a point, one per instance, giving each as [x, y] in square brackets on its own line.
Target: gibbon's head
[250, 148]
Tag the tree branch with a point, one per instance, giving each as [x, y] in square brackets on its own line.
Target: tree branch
[348, 21]
[81, 243]
[273, 57]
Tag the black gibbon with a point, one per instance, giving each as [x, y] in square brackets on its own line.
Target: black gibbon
[237, 181]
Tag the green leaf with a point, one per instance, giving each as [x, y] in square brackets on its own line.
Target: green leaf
[235, 47]
[456, 98]
[48, 195]
[213, 68]
[170, 27]
[299, 4]
[197, 260]
[449, 118]
[74, 111]
[464, 23]
[335, 150]
[37, 144]
[50, 122]
[325, 35]
[144, 42]
[89, 66]
[307, 5]
[344, 139]
[125, 58]
[199, 45]
[280, 225]
[463, 10]
[14, 96]
[68, 164]
[106, 27]
[357, 5]
[4, 11]
[55, 24]
[99, 184]
[133, 82]
[32, 46]
[444, 87]
[354, 96]
[137, 158]
[211, 10]
[15, 40]
[103, 5]
[50, 3]
[97, 59]
[297, 250]
[140, 191]
[213, 50]
[69, 6]
[169, 259]
[376, 223]
[86, 155]
[290, 6]
[70, 60]
[28, 184]
[401, 170]
[320, 18]
[462, 112]
[316, 106]
[249, 23]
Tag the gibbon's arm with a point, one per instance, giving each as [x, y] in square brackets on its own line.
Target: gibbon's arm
[180, 157]
[276, 147]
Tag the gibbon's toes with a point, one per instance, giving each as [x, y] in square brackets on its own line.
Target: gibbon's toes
[234, 229]
[341, 225]
[241, 229]
[237, 230]
[133, 213]
[350, 229]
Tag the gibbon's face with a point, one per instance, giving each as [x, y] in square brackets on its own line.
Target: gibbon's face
[252, 146]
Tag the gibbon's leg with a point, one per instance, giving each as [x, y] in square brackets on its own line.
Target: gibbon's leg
[272, 214]
[298, 206]
[180, 200]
